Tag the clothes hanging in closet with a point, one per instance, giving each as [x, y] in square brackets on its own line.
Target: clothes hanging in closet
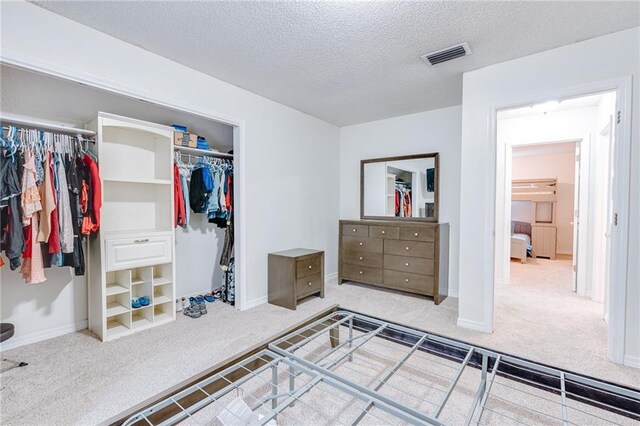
[50, 199]
[206, 188]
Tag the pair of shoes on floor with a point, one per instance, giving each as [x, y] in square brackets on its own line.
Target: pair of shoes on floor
[140, 302]
[192, 311]
[197, 304]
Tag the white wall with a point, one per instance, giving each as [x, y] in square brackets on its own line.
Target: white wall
[611, 56]
[292, 159]
[425, 132]
[560, 165]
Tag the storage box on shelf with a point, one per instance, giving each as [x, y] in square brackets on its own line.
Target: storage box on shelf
[132, 256]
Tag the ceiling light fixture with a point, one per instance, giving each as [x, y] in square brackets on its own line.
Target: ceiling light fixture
[546, 107]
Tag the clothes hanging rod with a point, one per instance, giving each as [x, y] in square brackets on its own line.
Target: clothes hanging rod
[39, 125]
[205, 152]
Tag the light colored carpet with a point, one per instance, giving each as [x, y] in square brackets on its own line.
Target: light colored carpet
[75, 379]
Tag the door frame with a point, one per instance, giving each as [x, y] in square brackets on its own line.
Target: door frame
[15, 59]
[621, 190]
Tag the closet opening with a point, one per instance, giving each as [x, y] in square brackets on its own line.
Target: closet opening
[554, 219]
[136, 170]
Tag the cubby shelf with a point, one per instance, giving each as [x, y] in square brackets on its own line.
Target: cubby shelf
[116, 308]
[114, 288]
[161, 281]
[160, 300]
[139, 181]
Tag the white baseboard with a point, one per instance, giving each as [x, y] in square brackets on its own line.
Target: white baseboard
[453, 293]
[39, 336]
[330, 277]
[256, 302]
[631, 361]
[567, 252]
[472, 325]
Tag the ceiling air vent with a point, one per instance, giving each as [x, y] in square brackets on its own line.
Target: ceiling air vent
[447, 54]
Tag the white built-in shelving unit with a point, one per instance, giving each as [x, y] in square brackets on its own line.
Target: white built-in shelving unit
[133, 254]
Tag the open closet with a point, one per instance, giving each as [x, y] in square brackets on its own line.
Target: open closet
[148, 243]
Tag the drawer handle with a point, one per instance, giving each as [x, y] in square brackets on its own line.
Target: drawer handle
[406, 264]
[406, 280]
[406, 248]
[144, 240]
[360, 257]
[415, 235]
[354, 230]
[310, 266]
[309, 284]
[384, 232]
[360, 243]
[360, 272]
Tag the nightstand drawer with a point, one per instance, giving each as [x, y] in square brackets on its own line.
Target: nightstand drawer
[307, 267]
[308, 285]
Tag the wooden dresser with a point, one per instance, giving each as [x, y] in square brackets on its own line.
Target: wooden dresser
[295, 274]
[399, 255]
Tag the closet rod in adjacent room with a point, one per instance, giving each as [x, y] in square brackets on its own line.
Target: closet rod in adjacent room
[196, 151]
[17, 121]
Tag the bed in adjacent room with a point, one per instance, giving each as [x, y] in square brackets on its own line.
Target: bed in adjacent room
[521, 241]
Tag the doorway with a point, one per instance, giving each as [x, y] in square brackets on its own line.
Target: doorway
[554, 213]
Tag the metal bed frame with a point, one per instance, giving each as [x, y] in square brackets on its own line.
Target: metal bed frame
[381, 372]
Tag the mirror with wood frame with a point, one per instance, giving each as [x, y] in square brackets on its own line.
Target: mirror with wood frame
[400, 188]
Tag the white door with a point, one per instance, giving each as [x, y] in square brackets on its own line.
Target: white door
[576, 218]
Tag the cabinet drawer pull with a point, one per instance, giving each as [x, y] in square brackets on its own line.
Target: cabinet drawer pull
[310, 266]
[406, 264]
[144, 240]
[360, 257]
[360, 272]
[406, 280]
[384, 232]
[309, 284]
[354, 230]
[360, 243]
[415, 235]
[406, 248]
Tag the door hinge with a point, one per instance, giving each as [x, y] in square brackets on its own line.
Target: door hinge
[575, 268]
[615, 219]
[619, 117]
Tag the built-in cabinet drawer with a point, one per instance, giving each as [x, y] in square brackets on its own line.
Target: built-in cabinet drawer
[409, 248]
[138, 250]
[407, 281]
[362, 258]
[418, 234]
[355, 230]
[307, 266]
[414, 265]
[388, 232]
[373, 245]
[362, 273]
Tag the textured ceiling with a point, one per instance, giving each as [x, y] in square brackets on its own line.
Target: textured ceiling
[348, 62]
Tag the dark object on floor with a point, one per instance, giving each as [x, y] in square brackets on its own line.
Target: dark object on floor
[7, 331]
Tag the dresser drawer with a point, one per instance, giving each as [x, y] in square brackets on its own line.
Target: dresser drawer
[409, 248]
[361, 273]
[355, 230]
[373, 245]
[309, 266]
[413, 282]
[418, 234]
[415, 265]
[389, 232]
[308, 285]
[362, 258]
[141, 250]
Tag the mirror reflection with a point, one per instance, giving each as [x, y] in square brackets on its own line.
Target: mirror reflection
[400, 188]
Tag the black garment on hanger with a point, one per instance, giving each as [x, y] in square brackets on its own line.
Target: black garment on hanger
[199, 192]
[11, 234]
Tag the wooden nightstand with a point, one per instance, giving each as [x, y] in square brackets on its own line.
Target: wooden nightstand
[295, 274]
